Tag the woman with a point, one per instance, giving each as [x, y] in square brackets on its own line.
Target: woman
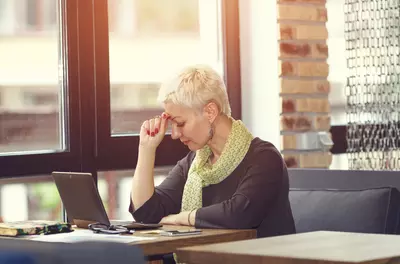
[229, 179]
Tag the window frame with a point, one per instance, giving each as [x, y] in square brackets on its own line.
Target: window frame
[35, 163]
[120, 151]
[86, 73]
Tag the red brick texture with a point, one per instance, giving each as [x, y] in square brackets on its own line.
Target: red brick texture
[304, 89]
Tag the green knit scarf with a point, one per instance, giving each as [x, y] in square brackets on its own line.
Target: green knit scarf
[202, 174]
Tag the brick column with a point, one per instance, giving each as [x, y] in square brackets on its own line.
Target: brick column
[304, 70]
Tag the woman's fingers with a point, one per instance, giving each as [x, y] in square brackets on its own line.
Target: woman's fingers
[156, 125]
[157, 122]
[152, 127]
[164, 123]
[146, 127]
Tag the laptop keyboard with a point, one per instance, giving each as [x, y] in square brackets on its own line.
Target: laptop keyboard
[134, 225]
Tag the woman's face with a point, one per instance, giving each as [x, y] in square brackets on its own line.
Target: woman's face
[188, 125]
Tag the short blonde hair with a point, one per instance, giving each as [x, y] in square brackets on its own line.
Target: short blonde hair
[194, 87]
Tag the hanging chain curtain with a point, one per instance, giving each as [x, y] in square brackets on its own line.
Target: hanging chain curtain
[372, 34]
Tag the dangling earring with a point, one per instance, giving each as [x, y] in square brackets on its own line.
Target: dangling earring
[211, 132]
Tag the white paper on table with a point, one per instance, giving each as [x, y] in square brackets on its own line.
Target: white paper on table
[88, 235]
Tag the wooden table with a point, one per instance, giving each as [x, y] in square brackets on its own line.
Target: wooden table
[165, 245]
[315, 247]
[155, 248]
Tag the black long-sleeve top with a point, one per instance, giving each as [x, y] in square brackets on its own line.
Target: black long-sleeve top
[254, 196]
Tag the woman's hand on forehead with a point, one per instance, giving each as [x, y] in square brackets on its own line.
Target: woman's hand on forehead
[153, 131]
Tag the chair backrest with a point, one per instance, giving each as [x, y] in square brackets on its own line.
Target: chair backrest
[364, 211]
[350, 201]
[342, 179]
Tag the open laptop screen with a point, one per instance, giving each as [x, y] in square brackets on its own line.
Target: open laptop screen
[80, 198]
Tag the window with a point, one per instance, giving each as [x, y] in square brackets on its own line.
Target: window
[39, 118]
[33, 198]
[167, 17]
[39, 16]
[141, 62]
[145, 18]
[40, 97]
[80, 110]
[7, 17]
[173, 39]
[33, 101]
[114, 188]
[26, 17]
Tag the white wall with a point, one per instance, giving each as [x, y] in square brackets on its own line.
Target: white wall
[337, 60]
[259, 59]
[337, 71]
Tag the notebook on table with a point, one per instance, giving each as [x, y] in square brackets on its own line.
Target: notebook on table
[83, 203]
[37, 227]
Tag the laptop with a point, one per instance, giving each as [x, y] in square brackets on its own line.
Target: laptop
[83, 203]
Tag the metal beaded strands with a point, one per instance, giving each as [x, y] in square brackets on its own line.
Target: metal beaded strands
[372, 35]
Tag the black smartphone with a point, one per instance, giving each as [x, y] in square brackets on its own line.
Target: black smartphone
[187, 232]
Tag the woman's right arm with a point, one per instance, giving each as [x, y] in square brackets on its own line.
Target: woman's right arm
[149, 204]
[167, 197]
[152, 133]
[143, 179]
